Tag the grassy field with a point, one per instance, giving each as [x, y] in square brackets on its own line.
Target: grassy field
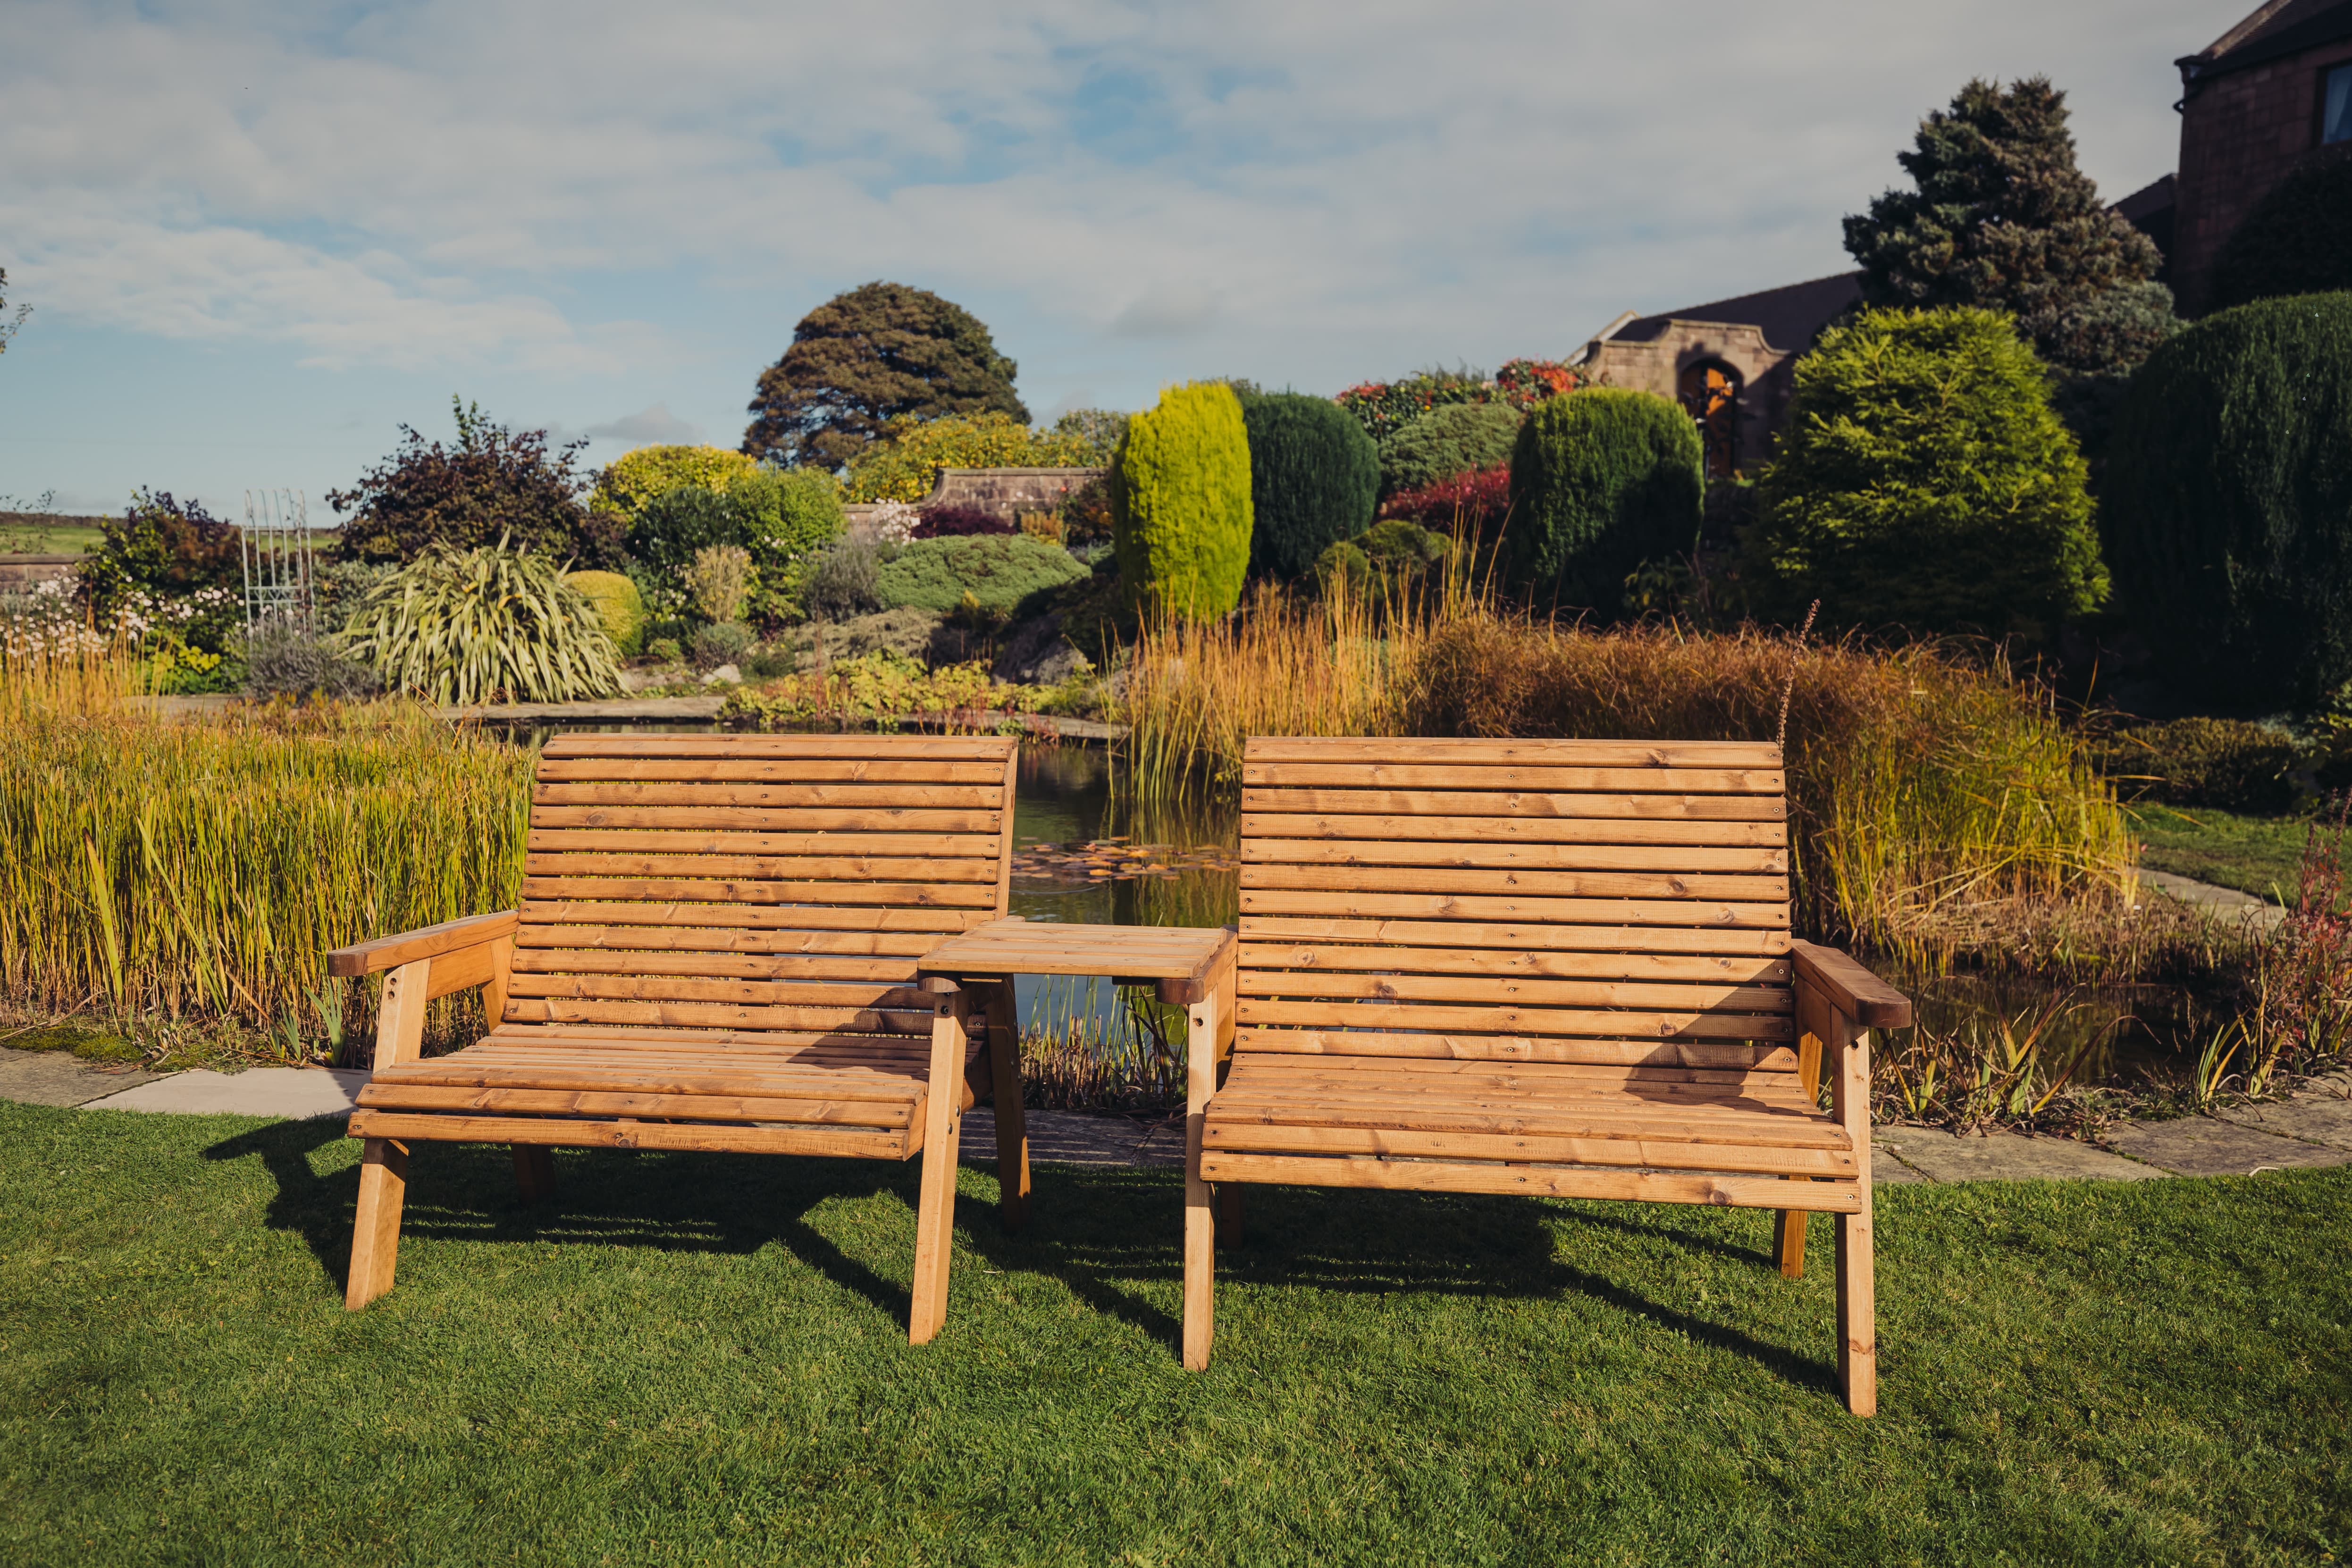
[2260, 855]
[701, 1359]
[62, 538]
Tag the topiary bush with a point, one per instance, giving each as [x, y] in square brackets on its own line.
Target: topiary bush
[1000, 575]
[2228, 504]
[1924, 481]
[1315, 478]
[631, 483]
[1601, 481]
[619, 607]
[1181, 515]
[1446, 442]
[2297, 240]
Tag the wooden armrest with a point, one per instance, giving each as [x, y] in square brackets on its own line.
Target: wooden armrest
[1856, 992]
[432, 941]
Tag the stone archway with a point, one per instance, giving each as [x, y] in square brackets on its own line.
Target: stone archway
[1710, 390]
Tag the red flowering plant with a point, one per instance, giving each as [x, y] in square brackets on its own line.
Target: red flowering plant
[1477, 499]
[1382, 408]
[1530, 382]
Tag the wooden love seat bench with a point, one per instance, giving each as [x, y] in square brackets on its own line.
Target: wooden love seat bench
[1560, 967]
[716, 951]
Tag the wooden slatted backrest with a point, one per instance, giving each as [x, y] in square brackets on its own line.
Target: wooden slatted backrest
[765, 886]
[1581, 901]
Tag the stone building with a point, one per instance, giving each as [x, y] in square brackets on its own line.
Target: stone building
[2269, 93]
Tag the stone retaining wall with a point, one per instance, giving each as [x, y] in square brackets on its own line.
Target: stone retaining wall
[1002, 492]
[19, 572]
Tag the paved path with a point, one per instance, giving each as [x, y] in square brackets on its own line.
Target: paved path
[2312, 1129]
[2224, 901]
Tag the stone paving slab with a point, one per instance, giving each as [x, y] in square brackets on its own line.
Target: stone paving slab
[295, 1092]
[2315, 1118]
[61, 1078]
[2199, 1145]
[1942, 1156]
[1888, 1169]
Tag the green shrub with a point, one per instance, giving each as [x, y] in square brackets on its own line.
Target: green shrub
[1002, 575]
[1924, 481]
[165, 549]
[783, 518]
[632, 482]
[1452, 439]
[721, 642]
[620, 609]
[1601, 481]
[679, 521]
[844, 581]
[2228, 509]
[665, 651]
[2297, 240]
[1180, 516]
[905, 463]
[484, 625]
[1393, 551]
[1315, 478]
[2221, 762]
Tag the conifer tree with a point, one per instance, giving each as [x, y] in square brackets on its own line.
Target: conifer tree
[2000, 218]
[861, 358]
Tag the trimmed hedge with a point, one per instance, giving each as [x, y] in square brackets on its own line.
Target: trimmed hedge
[1448, 441]
[1924, 482]
[2228, 508]
[620, 608]
[1601, 481]
[1315, 478]
[1181, 514]
[1007, 575]
[632, 481]
[2297, 240]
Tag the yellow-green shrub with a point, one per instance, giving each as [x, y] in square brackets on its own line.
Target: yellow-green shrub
[1181, 515]
[906, 463]
[636, 480]
[619, 606]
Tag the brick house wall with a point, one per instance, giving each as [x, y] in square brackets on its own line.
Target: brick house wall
[2241, 132]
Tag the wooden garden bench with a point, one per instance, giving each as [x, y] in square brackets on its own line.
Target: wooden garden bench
[716, 950]
[1560, 967]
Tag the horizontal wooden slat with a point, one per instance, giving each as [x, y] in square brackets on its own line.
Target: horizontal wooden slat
[1370, 878]
[642, 987]
[542, 1102]
[1624, 831]
[866, 798]
[1720, 969]
[675, 842]
[1579, 781]
[544, 917]
[708, 1015]
[854, 1143]
[1574, 1079]
[752, 1050]
[1561, 938]
[1527, 1116]
[1769, 808]
[744, 966]
[1337, 902]
[952, 747]
[893, 944]
[769, 770]
[902, 894]
[1676, 861]
[1478, 753]
[1297, 984]
[756, 819]
[1540, 1181]
[1518, 1048]
[1662, 1154]
[781, 868]
[1597, 1023]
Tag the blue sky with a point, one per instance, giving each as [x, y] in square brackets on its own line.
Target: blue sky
[257, 235]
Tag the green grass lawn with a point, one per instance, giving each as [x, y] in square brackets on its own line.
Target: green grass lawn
[701, 1358]
[2261, 856]
[72, 539]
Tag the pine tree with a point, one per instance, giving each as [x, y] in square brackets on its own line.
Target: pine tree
[2002, 219]
[862, 357]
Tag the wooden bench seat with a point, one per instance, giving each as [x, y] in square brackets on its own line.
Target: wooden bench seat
[1553, 967]
[716, 951]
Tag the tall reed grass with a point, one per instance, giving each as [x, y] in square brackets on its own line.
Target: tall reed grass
[1928, 792]
[201, 871]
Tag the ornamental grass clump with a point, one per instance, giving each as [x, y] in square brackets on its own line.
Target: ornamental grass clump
[481, 625]
[166, 870]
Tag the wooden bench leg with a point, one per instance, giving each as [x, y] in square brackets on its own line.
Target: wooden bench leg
[1229, 1213]
[535, 1172]
[1857, 1312]
[935, 1209]
[1012, 1120]
[1200, 1220]
[1788, 1242]
[375, 1234]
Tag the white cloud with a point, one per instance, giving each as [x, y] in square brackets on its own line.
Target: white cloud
[653, 426]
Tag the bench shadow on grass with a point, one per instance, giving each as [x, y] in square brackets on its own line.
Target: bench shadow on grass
[1112, 1236]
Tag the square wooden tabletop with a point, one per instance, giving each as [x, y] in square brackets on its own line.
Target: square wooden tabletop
[1182, 957]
